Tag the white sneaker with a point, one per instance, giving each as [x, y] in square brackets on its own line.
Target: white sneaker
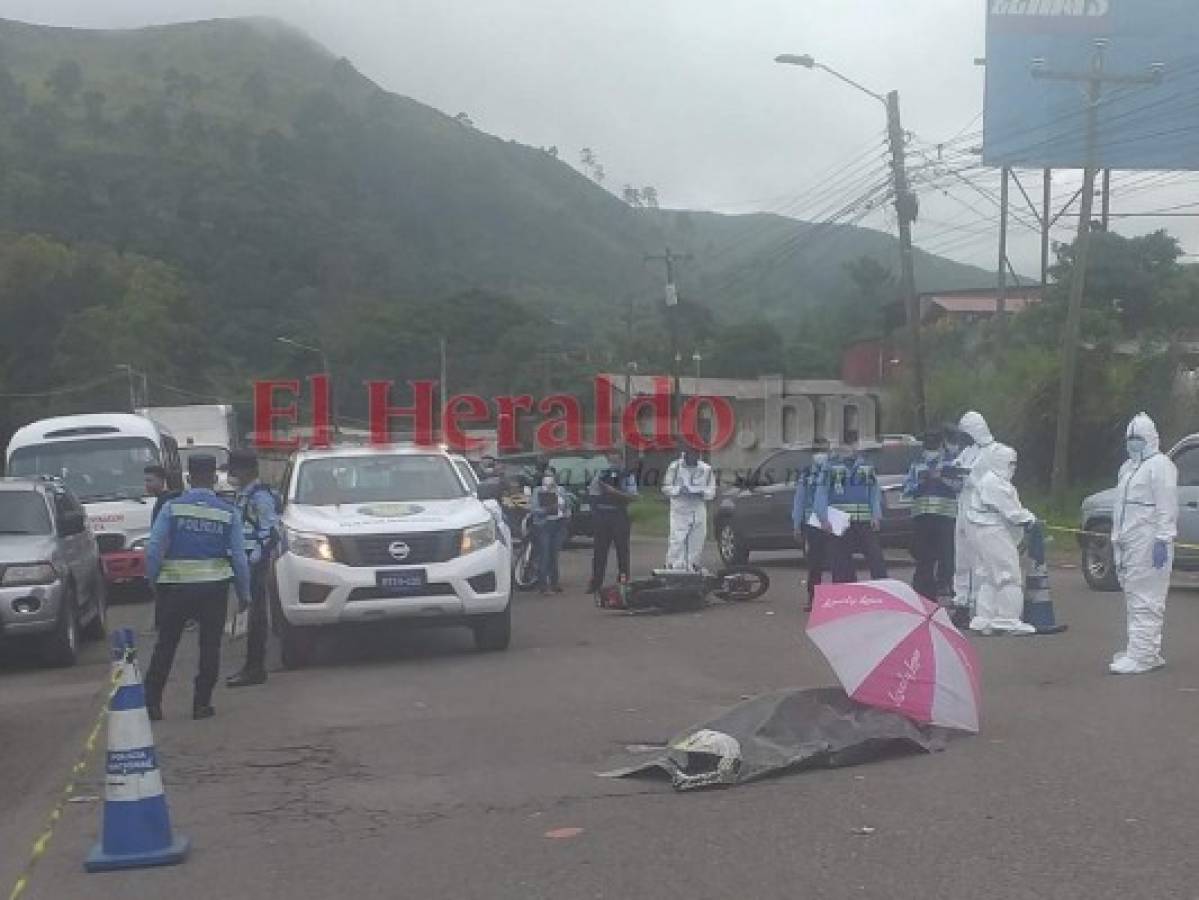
[981, 626]
[1128, 666]
[1016, 628]
[1119, 656]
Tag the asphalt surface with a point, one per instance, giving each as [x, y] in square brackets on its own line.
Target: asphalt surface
[416, 767]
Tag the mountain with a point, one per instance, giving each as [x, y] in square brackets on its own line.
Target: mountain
[288, 194]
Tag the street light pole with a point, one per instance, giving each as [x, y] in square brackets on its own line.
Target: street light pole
[325, 369]
[128, 370]
[906, 208]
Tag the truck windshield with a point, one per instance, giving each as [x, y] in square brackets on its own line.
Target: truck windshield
[23, 512]
[374, 479]
[93, 468]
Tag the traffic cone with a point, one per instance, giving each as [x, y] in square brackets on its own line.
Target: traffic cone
[137, 824]
[1038, 606]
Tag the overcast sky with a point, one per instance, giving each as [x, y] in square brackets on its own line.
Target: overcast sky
[680, 94]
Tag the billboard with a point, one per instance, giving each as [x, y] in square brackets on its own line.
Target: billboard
[1040, 120]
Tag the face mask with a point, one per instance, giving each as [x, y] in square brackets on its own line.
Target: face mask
[547, 482]
[1136, 447]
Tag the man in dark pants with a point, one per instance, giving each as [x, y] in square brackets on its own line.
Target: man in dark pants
[854, 490]
[259, 513]
[155, 479]
[611, 491]
[196, 548]
[812, 480]
[934, 496]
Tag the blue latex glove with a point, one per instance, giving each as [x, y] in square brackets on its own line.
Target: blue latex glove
[1161, 554]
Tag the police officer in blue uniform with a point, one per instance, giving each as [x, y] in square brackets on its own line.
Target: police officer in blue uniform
[853, 488]
[933, 489]
[258, 509]
[196, 548]
[813, 481]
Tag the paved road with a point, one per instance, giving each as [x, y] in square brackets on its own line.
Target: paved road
[416, 767]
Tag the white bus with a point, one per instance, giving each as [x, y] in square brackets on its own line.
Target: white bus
[101, 458]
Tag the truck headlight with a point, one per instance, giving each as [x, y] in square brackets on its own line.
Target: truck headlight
[34, 573]
[477, 537]
[309, 546]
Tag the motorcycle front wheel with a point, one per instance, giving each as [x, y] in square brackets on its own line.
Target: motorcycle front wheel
[524, 573]
[740, 584]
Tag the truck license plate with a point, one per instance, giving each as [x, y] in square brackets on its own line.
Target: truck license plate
[403, 581]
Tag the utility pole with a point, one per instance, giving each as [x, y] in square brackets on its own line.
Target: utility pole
[1047, 202]
[441, 387]
[906, 209]
[1107, 198]
[1095, 79]
[672, 320]
[129, 372]
[1001, 298]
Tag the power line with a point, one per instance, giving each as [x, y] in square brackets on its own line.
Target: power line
[57, 392]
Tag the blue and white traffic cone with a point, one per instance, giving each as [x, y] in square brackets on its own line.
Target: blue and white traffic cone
[1038, 605]
[137, 824]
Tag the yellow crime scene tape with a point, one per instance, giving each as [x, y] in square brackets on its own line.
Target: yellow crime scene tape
[1107, 537]
[77, 770]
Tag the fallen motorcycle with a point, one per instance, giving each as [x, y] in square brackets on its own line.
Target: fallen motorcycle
[672, 590]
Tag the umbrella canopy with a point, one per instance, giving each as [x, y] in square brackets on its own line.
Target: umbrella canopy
[894, 650]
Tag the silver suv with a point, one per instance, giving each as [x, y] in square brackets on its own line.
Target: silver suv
[51, 583]
[1098, 514]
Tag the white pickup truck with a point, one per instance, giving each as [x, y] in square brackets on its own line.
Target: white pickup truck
[389, 534]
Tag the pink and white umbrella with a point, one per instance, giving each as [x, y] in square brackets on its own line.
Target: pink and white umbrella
[894, 650]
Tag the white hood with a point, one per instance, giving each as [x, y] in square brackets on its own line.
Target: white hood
[1142, 426]
[387, 518]
[976, 426]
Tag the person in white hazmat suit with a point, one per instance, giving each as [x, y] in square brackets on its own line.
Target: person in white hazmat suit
[1146, 523]
[689, 484]
[974, 426]
[996, 519]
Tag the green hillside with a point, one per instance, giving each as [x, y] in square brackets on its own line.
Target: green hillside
[284, 193]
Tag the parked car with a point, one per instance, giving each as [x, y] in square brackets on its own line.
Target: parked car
[756, 513]
[387, 534]
[51, 579]
[1098, 513]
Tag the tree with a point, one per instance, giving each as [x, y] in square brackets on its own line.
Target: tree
[12, 94]
[65, 80]
[463, 119]
[1127, 277]
[93, 104]
[746, 350]
[257, 89]
[632, 196]
[649, 194]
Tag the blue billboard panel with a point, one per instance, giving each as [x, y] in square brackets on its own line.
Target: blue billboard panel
[1041, 56]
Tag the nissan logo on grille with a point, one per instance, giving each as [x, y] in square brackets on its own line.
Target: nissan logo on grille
[399, 550]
